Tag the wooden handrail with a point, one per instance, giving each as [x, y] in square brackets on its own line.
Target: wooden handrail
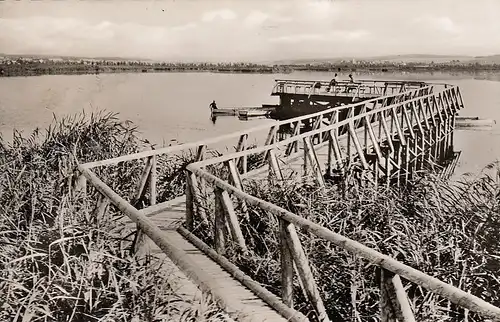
[174, 148]
[452, 293]
[367, 81]
[181, 147]
[282, 86]
[321, 130]
[178, 256]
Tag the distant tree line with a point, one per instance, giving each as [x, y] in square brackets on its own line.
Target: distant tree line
[31, 66]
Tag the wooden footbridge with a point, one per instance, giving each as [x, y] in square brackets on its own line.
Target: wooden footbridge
[394, 130]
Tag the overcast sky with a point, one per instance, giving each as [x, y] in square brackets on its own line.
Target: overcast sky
[216, 30]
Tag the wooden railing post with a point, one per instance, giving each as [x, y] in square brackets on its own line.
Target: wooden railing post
[287, 266]
[305, 272]
[394, 303]
[140, 189]
[152, 181]
[310, 154]
[271, 138]
[200, 152]
[404, 304]
[242, 143]
[305, 159]
[329, 168]
[102, 205]
[189, 201]
[219, 225]
[357, 145]
[274, 166]
[197, 199]
[231, 218]
[387, 312]
[135, 202]
[235, 176]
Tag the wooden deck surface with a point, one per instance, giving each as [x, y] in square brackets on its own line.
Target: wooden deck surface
[241, 303]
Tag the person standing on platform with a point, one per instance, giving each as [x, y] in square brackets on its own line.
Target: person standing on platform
[351, 80]
[213, 106]
[333, 82]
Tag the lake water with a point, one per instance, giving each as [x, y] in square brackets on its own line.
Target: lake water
[173, 107]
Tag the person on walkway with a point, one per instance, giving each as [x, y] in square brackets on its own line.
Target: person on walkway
[351, 80]
[333, 82]
[213, 105]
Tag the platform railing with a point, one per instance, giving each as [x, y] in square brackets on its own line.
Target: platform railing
[362, 88]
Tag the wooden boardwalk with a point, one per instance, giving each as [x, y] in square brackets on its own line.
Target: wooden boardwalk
[197, 268]
[240, 303]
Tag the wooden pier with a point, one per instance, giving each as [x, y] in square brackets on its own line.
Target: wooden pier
[391, 130]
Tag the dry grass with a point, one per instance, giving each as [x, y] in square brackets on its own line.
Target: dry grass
[60, 260]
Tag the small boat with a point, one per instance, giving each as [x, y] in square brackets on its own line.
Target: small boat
[473, 121]
[225, 111]
[269, 107]
[244, 112]
[253, 113]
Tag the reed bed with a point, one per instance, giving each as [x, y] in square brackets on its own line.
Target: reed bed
[447, 229]
[60, 258]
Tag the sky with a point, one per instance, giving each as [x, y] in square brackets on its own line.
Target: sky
[245, 30]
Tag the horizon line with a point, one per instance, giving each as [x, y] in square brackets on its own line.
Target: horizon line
[261, 61]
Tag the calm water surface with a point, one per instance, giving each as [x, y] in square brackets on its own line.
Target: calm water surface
[173, 107]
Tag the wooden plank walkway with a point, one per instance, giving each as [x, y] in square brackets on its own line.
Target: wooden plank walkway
[241, 303]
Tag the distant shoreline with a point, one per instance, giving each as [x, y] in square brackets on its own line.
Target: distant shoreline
[20, 70]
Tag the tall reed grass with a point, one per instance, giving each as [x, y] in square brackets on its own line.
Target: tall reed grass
[447, 229]
[60, 259]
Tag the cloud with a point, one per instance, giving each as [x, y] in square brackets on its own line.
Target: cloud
[320, 10]
[297, 38]
[223, 14]
[69, 36]
[349, 34]
[188, 26]
[438, 23]
[256, 18]
[328, 37]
